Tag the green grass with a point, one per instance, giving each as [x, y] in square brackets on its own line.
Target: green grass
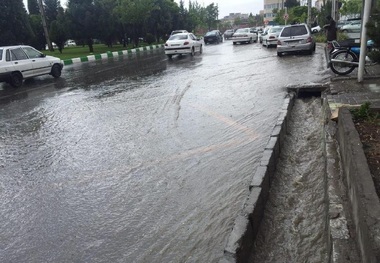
[83, 51]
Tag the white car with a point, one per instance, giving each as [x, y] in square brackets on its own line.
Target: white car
[247, 35]
[22, 62]
[271, 36]
[352, 27]
[183, 43]
[70, 43]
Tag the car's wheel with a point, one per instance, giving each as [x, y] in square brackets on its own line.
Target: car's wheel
[201, 49]
[279, 54]
[56, 71]
[169, 56]
[234, 43]
[266, 44]
[16, 79]
[250, 41]
[192, 52]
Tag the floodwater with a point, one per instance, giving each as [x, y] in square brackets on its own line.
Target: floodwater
[139, 158]
[294, 227]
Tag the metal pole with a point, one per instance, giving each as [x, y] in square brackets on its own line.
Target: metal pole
[46, 32]
[309, 13]
[363, 39]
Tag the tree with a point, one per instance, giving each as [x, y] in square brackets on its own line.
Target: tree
[14, 23]
[107, 21]
[38, 40]
[51, 10]
[33, 7]
[373, 31]
[291, 3]
[82, 21]
[58, 30]
[351, 8]
[212, 13]
[135, 14]
[161, 20]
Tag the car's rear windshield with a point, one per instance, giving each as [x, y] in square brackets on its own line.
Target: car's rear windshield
[1, 54]
[178, 37]
[211, 33]
[243, 30]
[294, 31]
[275, 29]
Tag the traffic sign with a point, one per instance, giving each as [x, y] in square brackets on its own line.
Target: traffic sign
[286, 16]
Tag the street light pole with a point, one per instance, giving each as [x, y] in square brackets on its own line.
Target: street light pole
[44, 25]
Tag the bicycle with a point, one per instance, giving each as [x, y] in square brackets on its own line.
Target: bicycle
[343, 56]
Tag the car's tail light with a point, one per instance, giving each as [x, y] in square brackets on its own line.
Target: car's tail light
[186, 43]
[272, 37]
[166, 45]
[278, 43]
[308, 40]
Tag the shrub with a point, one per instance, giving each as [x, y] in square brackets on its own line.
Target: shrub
[149, 38]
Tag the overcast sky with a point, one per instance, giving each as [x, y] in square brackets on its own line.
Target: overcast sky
[225, 6]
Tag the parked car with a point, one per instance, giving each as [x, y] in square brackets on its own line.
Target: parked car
[70, 43]
[352, 27]
[261, 34]
[213, 36]
[316, 29]
[183, 43]
[178, 31]
[22, 62]
[295, 38]
[270, 37]
[246, 35]
[228, 33]
[341, 23]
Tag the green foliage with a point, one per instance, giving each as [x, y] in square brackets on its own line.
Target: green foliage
[14, 23]
[149, 38]
[364, 113]
[351, 7]
[33, 7]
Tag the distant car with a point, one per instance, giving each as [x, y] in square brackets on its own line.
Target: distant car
[316, 29]
[213, 36]
[22, 62]
[183, 43]
[228, 33]
[262, 33]
[178, 31]
[270, 38]
[295, 38]
[341, 23]
[246, 35]
[70, 43]
[352, 27]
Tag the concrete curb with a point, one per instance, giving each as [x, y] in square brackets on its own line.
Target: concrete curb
[240, 241]
[109, 55]
[365, 205]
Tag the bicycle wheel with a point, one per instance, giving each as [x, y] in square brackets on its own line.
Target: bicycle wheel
[343, 68]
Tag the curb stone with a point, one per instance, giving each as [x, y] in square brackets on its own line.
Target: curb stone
[109, 54]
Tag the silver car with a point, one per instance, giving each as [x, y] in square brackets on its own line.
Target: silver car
[295, 38]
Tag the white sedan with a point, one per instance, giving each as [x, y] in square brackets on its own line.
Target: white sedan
[183, 43]
[271, 36]
[247, 35]
[22, 62]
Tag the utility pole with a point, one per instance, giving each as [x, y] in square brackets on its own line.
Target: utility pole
[44, 25]
[309, 13]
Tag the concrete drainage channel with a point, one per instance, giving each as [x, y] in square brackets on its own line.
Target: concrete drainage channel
[298, 209]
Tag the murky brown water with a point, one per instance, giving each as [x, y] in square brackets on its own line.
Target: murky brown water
[294, 228]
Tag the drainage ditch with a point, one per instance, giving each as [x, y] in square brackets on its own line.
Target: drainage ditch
[294, 227]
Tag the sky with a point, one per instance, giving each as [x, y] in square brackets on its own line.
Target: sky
[225, 6]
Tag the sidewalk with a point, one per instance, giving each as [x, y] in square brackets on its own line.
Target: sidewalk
[354, 206]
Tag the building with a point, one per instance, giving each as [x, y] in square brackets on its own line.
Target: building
[232, 16]
[269, 5]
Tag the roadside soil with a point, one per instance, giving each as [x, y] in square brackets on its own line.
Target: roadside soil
[369, 133]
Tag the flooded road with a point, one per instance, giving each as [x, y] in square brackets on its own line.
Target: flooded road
[138, 159]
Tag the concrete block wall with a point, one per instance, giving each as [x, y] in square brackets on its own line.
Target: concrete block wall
[365, 205]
